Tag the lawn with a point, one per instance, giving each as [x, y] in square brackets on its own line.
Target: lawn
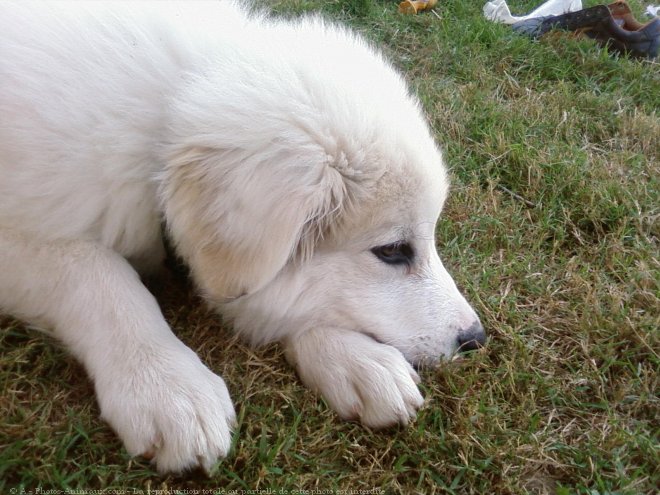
[552, 232]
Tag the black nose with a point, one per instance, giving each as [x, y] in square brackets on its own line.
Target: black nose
[471, 338]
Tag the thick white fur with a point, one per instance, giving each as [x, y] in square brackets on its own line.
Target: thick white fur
[278, 153]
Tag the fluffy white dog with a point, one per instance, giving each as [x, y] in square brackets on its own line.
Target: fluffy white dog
[295, 174]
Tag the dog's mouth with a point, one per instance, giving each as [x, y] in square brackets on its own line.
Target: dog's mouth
[429, 362]
[418, 364]
[227, 300]
[459, 356]
[373, 337]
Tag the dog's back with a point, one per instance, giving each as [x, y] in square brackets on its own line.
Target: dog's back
[83, 102]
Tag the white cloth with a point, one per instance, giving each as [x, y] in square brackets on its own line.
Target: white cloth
[652, 10]
[498, 10]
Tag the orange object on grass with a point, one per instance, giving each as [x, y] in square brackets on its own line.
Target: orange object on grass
[414, 6]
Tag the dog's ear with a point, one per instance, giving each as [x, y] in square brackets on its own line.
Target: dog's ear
[238, 215]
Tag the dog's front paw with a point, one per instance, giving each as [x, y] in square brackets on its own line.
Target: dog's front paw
[167, 406]
[358, 377]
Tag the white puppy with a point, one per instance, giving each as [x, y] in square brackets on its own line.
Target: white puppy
[295, 174]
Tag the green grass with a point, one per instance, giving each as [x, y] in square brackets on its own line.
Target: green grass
[552, 231]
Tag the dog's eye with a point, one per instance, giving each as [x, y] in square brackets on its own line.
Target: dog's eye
[399, 253]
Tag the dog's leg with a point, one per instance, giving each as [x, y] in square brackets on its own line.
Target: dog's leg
[358, 377]
[152, 389]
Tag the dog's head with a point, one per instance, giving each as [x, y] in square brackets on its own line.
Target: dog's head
[303, 191]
